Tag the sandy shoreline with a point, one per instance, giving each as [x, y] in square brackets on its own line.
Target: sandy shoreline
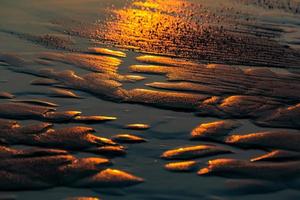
[37, 35]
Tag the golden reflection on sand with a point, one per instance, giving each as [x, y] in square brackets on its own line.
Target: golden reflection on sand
[205, 31]
[152, 25]
[181, 166]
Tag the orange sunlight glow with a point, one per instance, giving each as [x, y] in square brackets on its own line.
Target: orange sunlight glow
[152, 25]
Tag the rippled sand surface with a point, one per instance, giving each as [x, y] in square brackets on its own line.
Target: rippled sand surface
[150, 99]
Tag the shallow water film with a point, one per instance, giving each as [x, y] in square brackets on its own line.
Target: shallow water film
[150, 99]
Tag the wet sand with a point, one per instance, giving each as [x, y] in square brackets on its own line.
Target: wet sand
[172, 65]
